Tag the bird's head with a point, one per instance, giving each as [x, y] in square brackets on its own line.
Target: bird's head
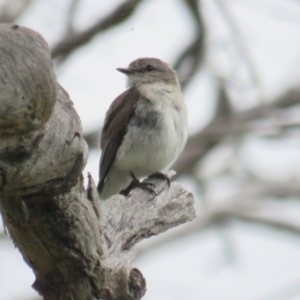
[149, 70]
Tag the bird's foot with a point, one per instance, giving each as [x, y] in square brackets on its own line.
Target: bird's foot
[126, 191]
[161, 176]
[135, 183]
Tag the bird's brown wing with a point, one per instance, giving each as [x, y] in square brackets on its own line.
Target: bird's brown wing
[115, 127]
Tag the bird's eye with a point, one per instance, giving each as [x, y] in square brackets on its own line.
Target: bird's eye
[150, 68]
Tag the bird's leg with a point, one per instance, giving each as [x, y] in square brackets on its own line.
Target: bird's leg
[136, 183]
[161, 176]
[126, 191]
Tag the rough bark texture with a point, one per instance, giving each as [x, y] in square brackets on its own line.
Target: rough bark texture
[78, 246]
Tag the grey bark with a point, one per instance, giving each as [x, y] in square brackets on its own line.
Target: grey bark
[78, 246]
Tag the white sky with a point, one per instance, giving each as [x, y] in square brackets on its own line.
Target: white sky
[194, 268]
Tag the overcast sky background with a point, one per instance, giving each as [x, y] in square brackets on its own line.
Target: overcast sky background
[265, 265]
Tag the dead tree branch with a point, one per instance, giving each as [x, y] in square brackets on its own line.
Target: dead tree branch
[79, 247]
[246, 206]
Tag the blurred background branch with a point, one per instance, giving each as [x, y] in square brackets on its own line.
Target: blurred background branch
[191, 58]
[70, 43]
[245, 206]
[239, 42]
[222, 125]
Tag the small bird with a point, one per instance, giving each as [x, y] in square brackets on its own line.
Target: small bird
[145, 128]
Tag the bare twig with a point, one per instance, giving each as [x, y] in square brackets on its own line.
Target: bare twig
[224, 108]
[70, 43]
[240, 45]
[202, 142]
[189, 61]
[265, 220]
[73, 7]
[92, 138]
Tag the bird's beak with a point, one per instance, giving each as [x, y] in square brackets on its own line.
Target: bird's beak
[127, 71]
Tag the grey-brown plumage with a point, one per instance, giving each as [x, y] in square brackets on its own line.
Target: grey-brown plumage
[145, 128]
[114, 130]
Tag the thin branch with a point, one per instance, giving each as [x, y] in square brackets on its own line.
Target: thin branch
[265, 220]
[92, 138]
[189, 61]
[73, 7]
[224, 108]
[240, 45]
[202, 142]
[70, 43]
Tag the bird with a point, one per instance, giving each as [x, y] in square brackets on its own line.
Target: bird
[145, 128]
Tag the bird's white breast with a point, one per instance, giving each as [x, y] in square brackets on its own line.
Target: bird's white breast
[155, 144]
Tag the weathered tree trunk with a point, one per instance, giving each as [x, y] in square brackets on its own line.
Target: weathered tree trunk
[78, 246]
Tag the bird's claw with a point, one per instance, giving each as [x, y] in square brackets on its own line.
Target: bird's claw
[161, 176]
[135, 183]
